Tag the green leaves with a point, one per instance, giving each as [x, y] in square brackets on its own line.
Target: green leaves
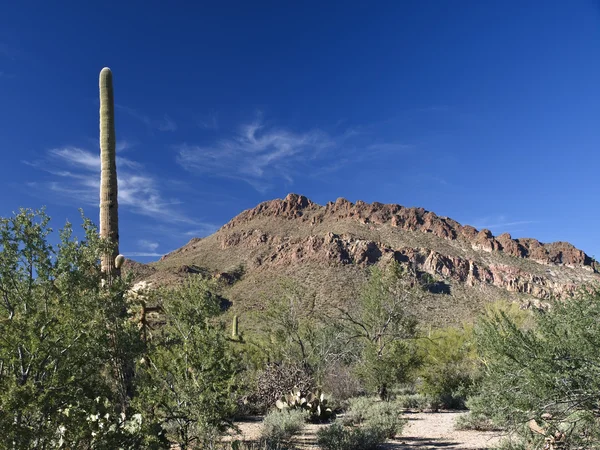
[384, 324]
[549, 372]
[54, 346]
[189, 382]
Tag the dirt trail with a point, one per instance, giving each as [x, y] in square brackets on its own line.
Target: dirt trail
[424, 431]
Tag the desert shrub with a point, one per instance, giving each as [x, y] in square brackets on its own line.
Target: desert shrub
[279, 427]
[338, 437]
[67, 344]
[383, 324]
[549, 372]
[475, 421]
[375, 414]
[413, 401]
[449, 366]
[188, 383]
[278, 379]
[342, 383]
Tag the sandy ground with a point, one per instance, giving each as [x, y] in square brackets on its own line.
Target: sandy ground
[424, 431]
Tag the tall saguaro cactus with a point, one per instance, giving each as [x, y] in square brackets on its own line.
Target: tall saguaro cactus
[109, 216]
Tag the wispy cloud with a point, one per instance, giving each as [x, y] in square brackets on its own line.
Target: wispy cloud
[147, 254]
[256, 154]
[164, 124]
[76, 171]
[209, 122]
[148, 245]
[500, 223]
[202, 230]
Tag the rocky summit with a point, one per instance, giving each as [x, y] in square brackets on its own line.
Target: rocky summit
[326, 250]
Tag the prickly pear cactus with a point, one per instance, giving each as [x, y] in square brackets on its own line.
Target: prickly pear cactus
[313, 402]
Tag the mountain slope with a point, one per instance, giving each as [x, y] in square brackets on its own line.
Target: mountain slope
[326, 250]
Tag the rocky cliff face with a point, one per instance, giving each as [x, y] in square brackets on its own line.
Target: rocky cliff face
[298, 207]
[283, 234]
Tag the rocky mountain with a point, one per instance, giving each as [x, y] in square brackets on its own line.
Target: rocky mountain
[326, 250]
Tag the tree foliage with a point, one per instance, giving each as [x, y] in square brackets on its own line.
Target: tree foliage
[449, 365]
[548, 373]
[63, 338]
[188, 377]
[68, 347]
[384, 325]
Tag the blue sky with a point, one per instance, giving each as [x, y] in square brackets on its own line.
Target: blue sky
[486, 112]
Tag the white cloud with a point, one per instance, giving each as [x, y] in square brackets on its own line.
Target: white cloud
[164, 124]
[499, 223]
[77, 157]
[139, 191]
[209, 122]
[167, 124]
[255, 154]
[149, 254]
[148, 245]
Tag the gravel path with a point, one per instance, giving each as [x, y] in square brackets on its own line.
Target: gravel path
[427, 431]
[424, 431]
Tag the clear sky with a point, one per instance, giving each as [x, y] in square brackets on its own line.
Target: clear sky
[484, 111]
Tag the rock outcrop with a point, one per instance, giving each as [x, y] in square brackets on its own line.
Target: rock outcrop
[298, 207]
[342, 238]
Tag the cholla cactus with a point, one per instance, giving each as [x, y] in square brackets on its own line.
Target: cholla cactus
[109, 217]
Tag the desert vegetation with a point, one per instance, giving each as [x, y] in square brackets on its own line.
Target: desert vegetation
[88, 361]
[68, 339]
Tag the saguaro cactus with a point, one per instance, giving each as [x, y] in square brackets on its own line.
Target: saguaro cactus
[234, 327]
[109, 216]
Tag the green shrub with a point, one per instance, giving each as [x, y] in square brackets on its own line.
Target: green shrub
[65, 343]
[475, 421]
[279, 427]
[384, 324]
[375, 414]
[413, 401]
[549, 372]
[189, 384]
[338, 437]
[450, 366]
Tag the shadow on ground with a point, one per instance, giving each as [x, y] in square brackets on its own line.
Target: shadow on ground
[425, 444]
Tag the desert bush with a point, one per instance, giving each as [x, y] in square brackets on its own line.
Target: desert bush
[188, 382]
[475, 421]
[65, 342]
[342, 383]
[279, 427]
[549, 372]
[449, 366]
[383, 324]
[278, 379]
[413, 401]
[376, 414]
[338, 437]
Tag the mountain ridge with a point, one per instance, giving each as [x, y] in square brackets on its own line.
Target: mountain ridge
[328, 248]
